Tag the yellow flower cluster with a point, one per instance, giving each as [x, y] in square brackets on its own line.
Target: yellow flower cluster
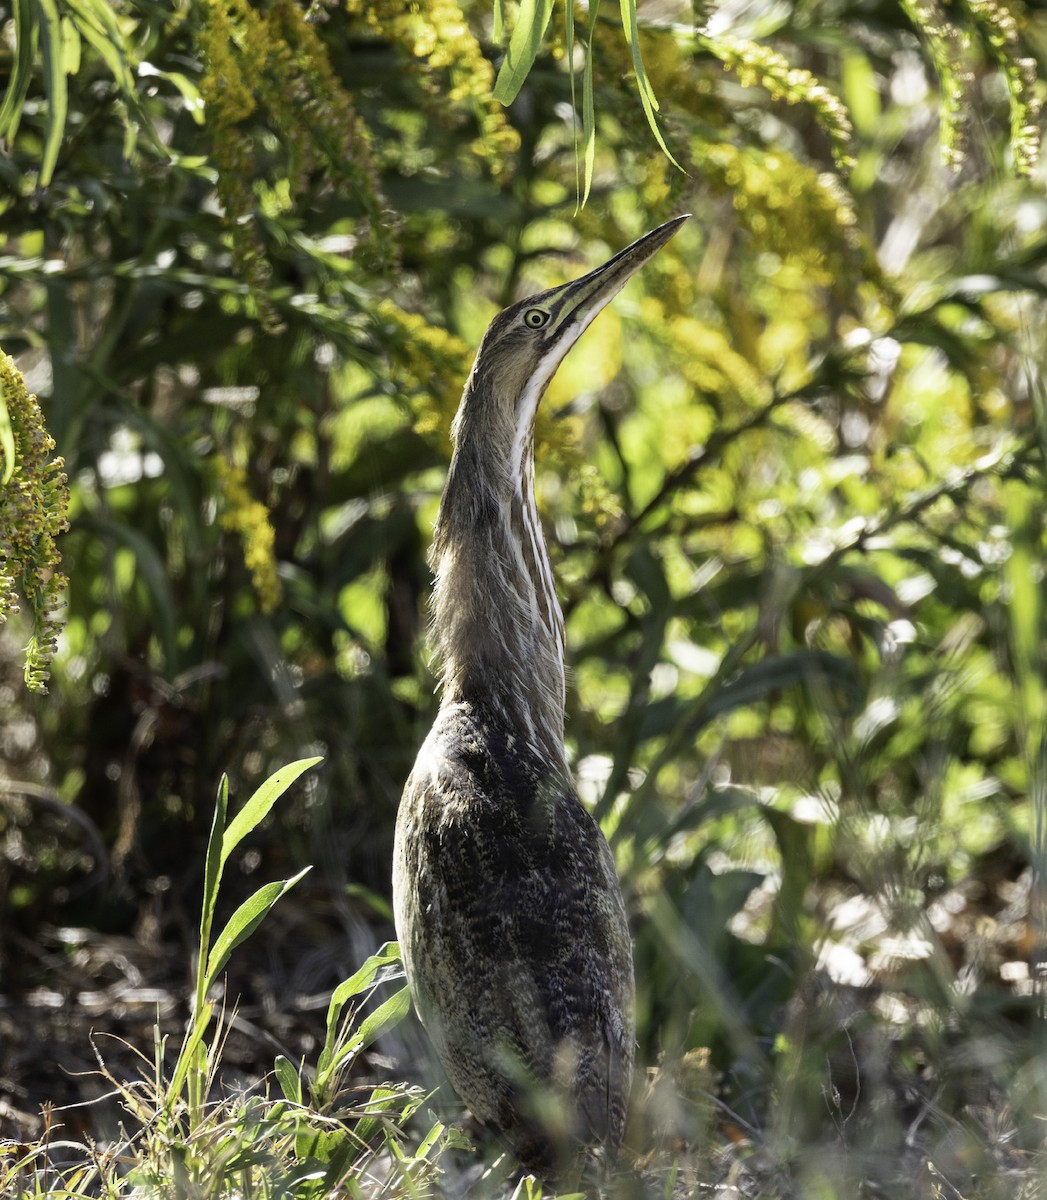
[787, 206]
[249, 520]
[275, 60]
[756, 65]
[429, 365]
[1001, 30]
[435, 32]
[34, 510]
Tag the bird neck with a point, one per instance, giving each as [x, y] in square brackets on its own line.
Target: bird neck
[498, 623]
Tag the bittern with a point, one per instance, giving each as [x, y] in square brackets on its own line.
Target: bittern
[507, 903]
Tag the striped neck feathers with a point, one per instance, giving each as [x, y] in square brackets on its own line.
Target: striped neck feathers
[497, 621]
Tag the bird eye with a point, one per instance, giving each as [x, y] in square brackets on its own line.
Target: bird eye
[535, 318]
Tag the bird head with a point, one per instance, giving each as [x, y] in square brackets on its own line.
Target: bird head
[526, 342]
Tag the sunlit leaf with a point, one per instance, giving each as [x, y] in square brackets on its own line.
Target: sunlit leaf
[257, 807]
[245, 921]
[524, 44]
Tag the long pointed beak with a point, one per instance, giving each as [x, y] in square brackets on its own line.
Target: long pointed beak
[577, 303]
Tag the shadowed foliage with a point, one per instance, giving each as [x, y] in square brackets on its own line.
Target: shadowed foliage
[793, 484]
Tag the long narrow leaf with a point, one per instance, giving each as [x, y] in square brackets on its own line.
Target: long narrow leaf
[21, 69]
[190, 1047]
[98, 24]
[643, 84]
[568, 9]
[258, 806]
[526, 41]
[389, 1013]
[589, 107]
[212, 876]
[7, 441]
[245, 921]
[55, 83]
[386, 956]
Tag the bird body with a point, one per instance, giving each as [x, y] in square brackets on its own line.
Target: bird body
[510, 916]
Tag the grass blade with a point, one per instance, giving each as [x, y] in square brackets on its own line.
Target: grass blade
[258, 806]
[526, 41]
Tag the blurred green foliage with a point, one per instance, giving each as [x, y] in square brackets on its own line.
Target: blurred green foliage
[793, 478]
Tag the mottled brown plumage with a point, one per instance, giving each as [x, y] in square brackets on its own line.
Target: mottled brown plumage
[508, 908]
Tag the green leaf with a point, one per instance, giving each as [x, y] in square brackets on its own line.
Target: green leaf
[526, 41]
[55, 84]
[98, 25]
[21, 69]
[333, 1149]
[213, 863]
[382, 1101]
[388, 1014]
[289, 1078]
[245, 921]
[643, 84]
[589, 106]
[7, 441]
[258, 806]
[800, 667]
[188, 1054]
[70, 47]
[387, 955]
[194, 102]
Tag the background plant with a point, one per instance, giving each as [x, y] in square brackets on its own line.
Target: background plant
[791, 480]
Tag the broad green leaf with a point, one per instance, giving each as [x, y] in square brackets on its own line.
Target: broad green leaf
[258, 806]
[332, 1149]
[289, 1079]
[526, 41]
[245, 921]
